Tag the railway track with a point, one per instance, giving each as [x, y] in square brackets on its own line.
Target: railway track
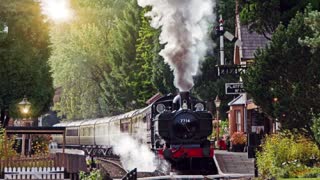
[116, 171]
[112, 166]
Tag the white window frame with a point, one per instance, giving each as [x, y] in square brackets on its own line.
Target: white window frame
[238, 120]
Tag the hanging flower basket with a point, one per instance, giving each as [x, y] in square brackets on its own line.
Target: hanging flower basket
[238, 140]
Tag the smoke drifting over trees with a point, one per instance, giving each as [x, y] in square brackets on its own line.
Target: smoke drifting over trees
[184, 31]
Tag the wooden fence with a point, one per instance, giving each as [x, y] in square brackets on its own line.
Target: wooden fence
[34, 173]
[27, 162]
[31, 161]
[71, 163]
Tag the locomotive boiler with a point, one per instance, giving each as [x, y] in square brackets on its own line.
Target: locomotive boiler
[180, 134]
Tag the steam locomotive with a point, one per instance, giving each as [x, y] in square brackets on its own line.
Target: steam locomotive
[181, 126]
[174, 127]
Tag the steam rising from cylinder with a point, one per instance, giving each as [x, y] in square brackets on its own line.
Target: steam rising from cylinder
[184, 25]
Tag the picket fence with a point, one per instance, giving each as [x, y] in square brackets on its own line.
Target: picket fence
[34, 173]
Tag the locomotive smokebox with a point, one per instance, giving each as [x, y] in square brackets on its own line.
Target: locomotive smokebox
[182, 100]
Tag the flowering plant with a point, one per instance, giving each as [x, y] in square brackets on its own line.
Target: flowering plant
[238, 138]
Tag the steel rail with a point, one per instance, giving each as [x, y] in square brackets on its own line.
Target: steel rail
[113, 163]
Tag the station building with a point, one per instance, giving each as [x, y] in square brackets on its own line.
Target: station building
[243, 114]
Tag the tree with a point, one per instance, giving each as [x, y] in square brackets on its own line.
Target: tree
[284, 80]
[312, 20]
[316, 128]
[142, 86]
[80, 58]
[24, 53]
[162, 75]
[123, 38]
[77, 64]
[313, 41]
[264, 16]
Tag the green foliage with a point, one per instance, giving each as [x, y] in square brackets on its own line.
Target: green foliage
[287, 155]
[162, 75]
[24, 53]
[94, 175]
[80, 58]
[289, 71]
[265, 16]
[142, 86]
[223, 129]
[123, 38]
[109, 69]
[6, 146]
[102, 59]
[77, 62]
[316, 128]
[312, 20]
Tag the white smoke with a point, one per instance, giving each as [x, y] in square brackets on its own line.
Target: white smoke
[185, 25]
[134, 154]
[134, 151]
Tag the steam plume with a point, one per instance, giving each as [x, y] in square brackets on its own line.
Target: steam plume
[184, 25]
[133, 154]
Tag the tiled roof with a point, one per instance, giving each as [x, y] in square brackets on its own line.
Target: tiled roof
[251, 41]
[240, 100]
[154, 98]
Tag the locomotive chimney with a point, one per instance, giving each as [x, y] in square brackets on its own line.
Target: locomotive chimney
[182, 101]
[185, 100]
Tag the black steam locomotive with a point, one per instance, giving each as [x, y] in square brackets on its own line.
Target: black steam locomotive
[181, 126]
[175, 127]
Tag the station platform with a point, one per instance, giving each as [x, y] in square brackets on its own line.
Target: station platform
[234, 163]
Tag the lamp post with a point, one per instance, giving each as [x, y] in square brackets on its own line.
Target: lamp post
[24, 106]
[217, 102]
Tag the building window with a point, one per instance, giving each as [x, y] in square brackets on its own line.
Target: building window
[238, 120]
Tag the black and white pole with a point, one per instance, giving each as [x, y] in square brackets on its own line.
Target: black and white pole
[221, 41]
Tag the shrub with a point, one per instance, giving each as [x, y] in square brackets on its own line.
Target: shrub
[238, 138]
[40, 144]
[93, 175]
[316, 127]
[6, 146]
[287, 155]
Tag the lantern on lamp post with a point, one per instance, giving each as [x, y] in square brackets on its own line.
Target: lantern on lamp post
[217, 102]
[24, 105]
